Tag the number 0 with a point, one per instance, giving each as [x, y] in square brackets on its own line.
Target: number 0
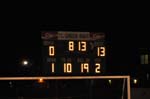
[51, 51]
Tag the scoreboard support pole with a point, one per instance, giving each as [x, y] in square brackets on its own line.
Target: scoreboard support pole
[72, 77]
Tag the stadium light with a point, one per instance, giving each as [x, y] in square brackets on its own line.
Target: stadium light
[40, 80]
[25, 62]
[109, 81]
[135, 81]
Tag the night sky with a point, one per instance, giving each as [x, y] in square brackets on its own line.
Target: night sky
[20, 35]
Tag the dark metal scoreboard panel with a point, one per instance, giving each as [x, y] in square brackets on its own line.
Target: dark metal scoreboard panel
[73, 53]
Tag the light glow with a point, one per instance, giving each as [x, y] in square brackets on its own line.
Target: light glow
[109, 81]
[25, 62]
[135, 81]
[41, 80]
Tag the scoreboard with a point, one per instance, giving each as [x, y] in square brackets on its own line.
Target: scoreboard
[73, 53]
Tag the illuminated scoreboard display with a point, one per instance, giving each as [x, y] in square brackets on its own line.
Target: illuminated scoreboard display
[73, 53]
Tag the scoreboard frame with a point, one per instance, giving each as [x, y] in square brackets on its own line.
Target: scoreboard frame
[73, 53]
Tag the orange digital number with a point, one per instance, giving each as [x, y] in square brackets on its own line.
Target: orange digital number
[67, 67]
[100, 51]
[51, 50]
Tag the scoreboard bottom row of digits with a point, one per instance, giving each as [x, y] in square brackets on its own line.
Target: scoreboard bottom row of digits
[84, 68]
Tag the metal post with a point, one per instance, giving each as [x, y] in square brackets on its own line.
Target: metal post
[91, 89]
[123, 87]
[128, 87]
[56, 86]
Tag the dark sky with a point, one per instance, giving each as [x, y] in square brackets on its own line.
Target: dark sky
[20, 32]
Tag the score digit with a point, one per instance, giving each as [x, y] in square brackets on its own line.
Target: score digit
[98, 67]
[71, 46]
[81, 46]
[67, 68]
[51, 50]
[84, 66]
[100, 51]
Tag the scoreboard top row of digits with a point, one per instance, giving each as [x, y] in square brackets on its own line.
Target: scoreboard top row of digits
[73, 53]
